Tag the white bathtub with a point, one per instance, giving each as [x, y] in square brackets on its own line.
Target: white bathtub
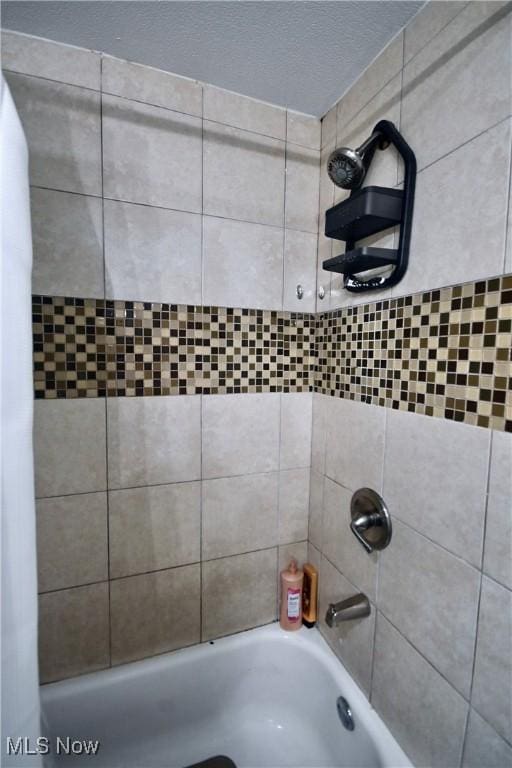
[264, 698]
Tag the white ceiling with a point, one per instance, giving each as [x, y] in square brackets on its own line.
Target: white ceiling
[299, 54]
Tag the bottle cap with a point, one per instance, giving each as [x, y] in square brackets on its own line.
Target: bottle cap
[293, 565]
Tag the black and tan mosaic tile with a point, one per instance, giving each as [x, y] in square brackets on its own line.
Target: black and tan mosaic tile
[444, 353]
[98, 348]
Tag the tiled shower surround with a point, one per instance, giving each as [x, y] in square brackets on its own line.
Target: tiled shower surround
[157, 514]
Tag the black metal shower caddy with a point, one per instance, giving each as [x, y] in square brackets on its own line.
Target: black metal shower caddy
[371, 210]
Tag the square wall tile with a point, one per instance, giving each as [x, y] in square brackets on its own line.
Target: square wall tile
[432, 18]
[435, 468]
[484, 746]
[154, 528]
[320, 422]
[63, 131]
[447, 197]
[153, 440]
[243, 112]
[352, 641]
[508, 248]
[152, 254]
[154, 613]
[151, 155]
[303, 129]
[432, 598]
[339, 543]
[239, 514]
[405, 687]
[243, 175]
[239, 593]
[240, 434]
[69, 446]
[71, 541]
[73, 632]
[316, 500]
[492, 683]
[354, 454]
[498, 527]
[242, 264]
[370, 84]
[458, 86]
[293, 505]
[154, 86]
[67, 239]
[43, 58]
[300, 250]
[302, 188]
[296, 421]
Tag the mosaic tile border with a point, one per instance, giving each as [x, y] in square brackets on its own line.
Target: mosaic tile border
[444, 353]
[103, 348]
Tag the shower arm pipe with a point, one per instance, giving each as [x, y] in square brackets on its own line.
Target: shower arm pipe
[390, 134]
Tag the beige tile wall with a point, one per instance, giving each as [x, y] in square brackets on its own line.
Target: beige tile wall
[435, 655]
[438, 639]
[445, 83]
[440, 593]
[156, 516]
[173, 190]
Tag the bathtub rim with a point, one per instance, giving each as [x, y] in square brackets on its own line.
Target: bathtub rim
[311, 641]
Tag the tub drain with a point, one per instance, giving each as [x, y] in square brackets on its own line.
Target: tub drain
[345, 713]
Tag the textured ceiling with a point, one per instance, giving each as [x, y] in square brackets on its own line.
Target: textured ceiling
[302, 55]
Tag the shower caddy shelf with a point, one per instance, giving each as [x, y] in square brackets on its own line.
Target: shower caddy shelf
[371, 210]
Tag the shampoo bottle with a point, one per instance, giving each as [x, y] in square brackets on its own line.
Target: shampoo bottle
[291, 597]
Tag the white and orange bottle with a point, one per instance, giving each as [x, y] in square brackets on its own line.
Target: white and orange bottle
[291, 597]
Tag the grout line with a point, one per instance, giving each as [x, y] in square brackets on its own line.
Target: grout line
[201, 396]
[431, 39]
[51, 79]
[508, 217]
[420, 653]
[285, 185]
[372, 670]
[105, 404]
[463, 144]
[464, 736]
[154, 105]
[495, 18]
[174, 210]
[479, 602]
[170, 568]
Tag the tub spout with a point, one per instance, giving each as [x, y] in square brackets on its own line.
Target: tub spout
[355, 607]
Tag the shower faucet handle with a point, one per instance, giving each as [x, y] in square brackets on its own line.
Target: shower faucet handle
[361, 524]
[370, 523]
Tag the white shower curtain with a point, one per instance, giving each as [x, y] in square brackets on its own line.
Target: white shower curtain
[20, 692]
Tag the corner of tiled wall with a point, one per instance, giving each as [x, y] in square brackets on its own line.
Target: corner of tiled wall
[439, 637]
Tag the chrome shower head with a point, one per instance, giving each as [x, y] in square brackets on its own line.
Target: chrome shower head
[347, 167]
